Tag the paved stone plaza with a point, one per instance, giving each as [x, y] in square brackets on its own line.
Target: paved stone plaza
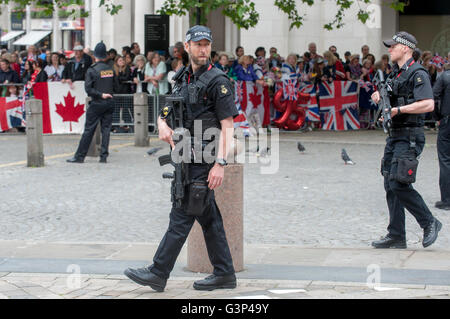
[313, 202]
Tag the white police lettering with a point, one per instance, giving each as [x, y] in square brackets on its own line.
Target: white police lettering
[198, 309]
[201, 33]
[246, 308]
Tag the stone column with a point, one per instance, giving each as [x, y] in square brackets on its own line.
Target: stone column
[141, 8]
[230, 200]
[95, 146]
[140, 106]
[35, 145]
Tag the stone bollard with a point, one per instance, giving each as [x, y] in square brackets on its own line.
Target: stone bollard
[95, 146]
[35, 144]
[140, 103]
[230, 200]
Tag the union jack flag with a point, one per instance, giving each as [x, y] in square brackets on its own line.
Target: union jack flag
[339, 105]
[290, 90]
[438, 61]
[11, 113]
[308, 100]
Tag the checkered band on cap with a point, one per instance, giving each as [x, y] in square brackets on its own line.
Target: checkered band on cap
[404, 41]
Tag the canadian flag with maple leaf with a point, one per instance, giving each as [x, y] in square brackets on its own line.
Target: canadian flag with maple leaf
[63, 108]
[253, 98]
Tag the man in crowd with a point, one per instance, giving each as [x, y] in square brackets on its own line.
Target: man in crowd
[312, 48]
[77, 67]
[6, 74]
[135, 48]
[365, 51]
[99, 86]
[412, 96]
[332, 49]
[441, 91]
[180, 53]
[275, 60]
[260, 51]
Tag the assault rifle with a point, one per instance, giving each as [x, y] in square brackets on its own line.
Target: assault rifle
[385, 107]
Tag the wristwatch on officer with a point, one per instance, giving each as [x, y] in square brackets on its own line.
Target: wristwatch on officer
[222, 162]
[398, 110]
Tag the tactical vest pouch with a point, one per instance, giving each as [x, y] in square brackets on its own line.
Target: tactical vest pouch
[406, 170]
[198, 199]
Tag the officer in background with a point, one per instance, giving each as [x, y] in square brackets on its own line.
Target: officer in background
[411, 97]
[215, 108]
[441, 92]
[99, 86]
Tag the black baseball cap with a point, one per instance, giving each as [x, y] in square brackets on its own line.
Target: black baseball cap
[197, 33]
[402, 37]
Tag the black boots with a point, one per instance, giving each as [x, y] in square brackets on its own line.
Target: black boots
[143, 276]
[389, 242]
[216, 282]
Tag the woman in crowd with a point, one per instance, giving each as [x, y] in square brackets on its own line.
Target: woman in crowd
[155, 75]
[55, 69]
[387, 68]
[129, 58]
[289, 67]
[427, 56]
[175, 66]
[138, 74]
[122, 76]
[317, 75]
[244, 70]
[367, 71]
[39, 73]
[28, 72]
[334, 70]
[222, 63]
[353, 70]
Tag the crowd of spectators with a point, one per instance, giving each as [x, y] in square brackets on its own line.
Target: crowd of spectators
[153, 73]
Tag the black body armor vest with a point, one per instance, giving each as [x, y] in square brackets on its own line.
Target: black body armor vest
[195, 95]
[403, 94]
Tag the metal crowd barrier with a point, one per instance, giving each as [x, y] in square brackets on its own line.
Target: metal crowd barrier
[123, 116]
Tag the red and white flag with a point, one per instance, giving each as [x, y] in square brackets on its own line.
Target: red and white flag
[11, 113]
[63, 108]
[254, 98]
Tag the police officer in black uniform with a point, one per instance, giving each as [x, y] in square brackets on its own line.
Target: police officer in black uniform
[99, 85]
[441, 90]
[411, 97]
[215, 108]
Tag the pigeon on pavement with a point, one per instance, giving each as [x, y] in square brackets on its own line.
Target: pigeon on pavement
[346, 158]
[300, 147]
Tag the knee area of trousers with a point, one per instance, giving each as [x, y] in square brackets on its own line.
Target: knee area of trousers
[397, 187]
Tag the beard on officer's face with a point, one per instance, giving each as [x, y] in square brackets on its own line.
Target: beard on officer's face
[199, 61]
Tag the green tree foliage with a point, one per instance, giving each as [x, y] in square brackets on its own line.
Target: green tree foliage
[242, 12]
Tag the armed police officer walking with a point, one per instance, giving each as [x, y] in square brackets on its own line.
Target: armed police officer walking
[441, 91]
[99, 86]
[411, 97]
[207, 98]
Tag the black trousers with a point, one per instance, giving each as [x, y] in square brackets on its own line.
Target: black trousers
[399, 195]
[179, 227]
[97, 112]
[443, 149]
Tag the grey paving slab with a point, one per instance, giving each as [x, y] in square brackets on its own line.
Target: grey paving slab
[313, 200]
